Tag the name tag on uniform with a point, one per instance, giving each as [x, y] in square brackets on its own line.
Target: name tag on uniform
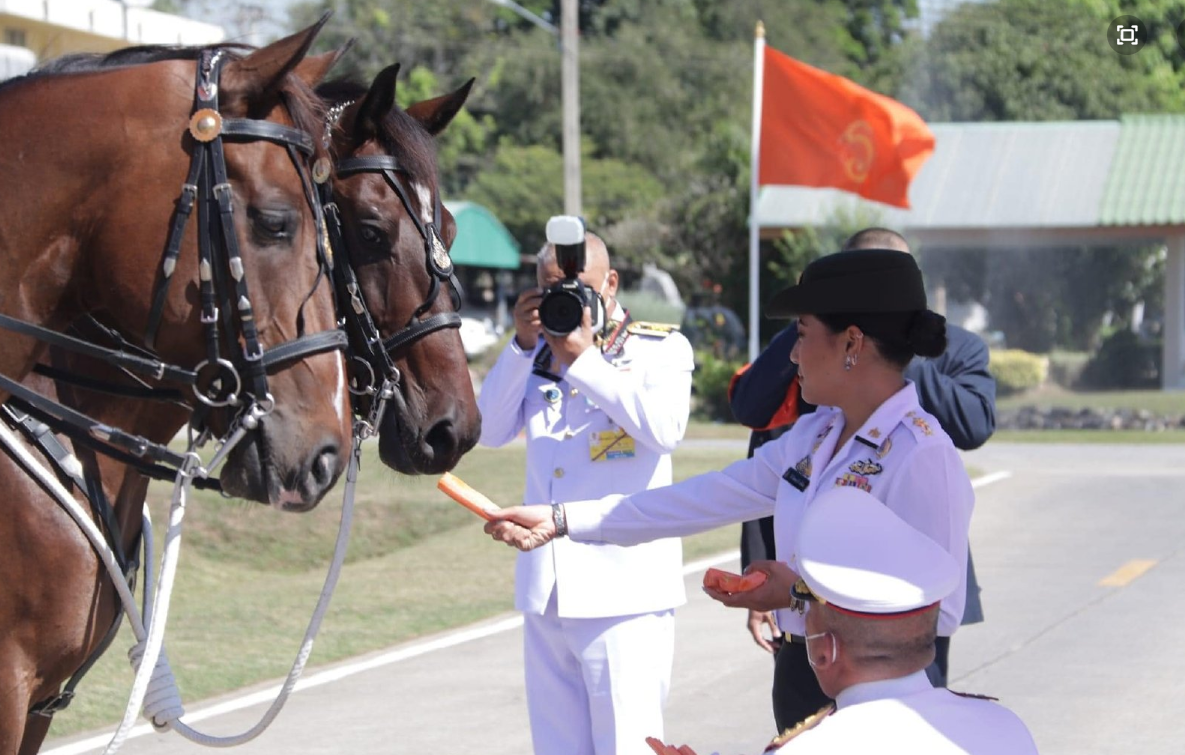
[797, 479]
[611, 444]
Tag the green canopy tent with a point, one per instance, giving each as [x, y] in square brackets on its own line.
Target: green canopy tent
[485, 255]
[482, 241]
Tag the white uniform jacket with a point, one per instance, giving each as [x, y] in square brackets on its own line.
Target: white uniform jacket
[908, 716]
[645, 390]
[900, 455]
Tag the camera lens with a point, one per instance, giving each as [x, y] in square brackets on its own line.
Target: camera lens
[560, 312]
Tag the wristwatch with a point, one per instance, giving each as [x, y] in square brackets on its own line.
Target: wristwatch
[560, 519]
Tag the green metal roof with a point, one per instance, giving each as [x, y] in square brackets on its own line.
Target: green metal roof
[1146, 183]
[482, 241]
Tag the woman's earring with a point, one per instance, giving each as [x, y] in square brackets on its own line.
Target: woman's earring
[847, 363]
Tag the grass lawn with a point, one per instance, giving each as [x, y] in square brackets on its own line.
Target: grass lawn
[249, 578]
[1160, 402]
[1088, 436]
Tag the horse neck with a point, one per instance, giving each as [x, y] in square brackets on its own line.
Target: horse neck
[64, 175]
[125, 487]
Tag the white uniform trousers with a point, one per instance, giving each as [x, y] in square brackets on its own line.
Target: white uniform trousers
[597, 686]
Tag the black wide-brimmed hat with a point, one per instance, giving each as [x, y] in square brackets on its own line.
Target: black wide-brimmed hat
[860, 280]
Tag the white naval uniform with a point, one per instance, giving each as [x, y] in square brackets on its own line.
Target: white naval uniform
[599, 618]
[908, 716]
[900, 455]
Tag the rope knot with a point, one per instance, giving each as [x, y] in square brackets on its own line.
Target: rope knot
[162, 702]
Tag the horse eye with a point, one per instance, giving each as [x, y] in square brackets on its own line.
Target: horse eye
[371, 234]
[271, 226]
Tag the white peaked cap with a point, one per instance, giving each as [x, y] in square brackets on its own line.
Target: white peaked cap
[859, 557]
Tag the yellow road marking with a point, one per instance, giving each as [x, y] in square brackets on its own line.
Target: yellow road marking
[1127, 573]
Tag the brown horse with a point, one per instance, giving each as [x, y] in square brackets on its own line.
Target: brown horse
[93, 173]
[382, 243]
[96, 164]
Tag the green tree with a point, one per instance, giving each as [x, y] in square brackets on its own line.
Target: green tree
[1035, 60]
[524, 187]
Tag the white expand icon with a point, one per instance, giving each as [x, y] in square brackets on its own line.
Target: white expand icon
[1127, 34]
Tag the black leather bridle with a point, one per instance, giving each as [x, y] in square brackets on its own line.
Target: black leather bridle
[372, 368]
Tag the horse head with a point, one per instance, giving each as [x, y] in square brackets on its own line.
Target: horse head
[257, 316]
[396, 232]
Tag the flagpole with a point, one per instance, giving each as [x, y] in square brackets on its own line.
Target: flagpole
[754, 166]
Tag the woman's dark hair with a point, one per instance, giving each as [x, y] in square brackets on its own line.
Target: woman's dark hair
[898, 335]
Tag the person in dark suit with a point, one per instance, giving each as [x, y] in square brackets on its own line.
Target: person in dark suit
[955, 387]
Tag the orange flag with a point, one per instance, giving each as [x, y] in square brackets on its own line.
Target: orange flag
[819, 129]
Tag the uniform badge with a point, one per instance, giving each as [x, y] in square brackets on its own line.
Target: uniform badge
[552, 394]
[923, 424]
[874, 433]
[849, 480]
[804, 465]
[608, 445]
[883, 451]
[866, 467]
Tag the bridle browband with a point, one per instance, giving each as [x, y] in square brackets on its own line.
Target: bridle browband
[373, 371]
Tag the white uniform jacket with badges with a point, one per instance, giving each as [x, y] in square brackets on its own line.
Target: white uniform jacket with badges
[900, 455]
[909, 716]
[641, 395]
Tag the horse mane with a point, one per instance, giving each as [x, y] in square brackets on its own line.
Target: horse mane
[401, 136]
[306, 109]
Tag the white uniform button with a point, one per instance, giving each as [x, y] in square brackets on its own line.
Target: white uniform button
[574, 392]
[559, 472]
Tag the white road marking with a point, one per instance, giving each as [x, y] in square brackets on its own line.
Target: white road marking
[988, 479]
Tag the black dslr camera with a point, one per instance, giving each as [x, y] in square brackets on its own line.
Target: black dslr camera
[562, 307]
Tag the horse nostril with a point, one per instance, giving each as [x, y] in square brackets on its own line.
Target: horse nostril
[325, 466]
[442, 439]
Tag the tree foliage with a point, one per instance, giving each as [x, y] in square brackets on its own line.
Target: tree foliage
[665, 118]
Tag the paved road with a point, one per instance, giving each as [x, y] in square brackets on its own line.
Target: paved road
[1092, 668]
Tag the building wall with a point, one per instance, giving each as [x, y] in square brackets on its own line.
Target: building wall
[53, 27]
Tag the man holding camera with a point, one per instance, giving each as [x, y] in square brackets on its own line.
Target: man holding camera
[603, 400]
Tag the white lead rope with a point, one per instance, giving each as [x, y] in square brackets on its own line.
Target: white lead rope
[154, 688]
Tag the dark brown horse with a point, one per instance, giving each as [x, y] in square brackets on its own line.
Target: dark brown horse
[389, 197]
[433, 422]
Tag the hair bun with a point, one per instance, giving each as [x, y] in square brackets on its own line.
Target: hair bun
[927, 334]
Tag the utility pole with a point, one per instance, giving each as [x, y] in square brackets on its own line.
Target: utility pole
[570, 72]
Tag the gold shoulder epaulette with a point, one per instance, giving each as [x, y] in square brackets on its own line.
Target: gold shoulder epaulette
[805, 724]
[658, 329]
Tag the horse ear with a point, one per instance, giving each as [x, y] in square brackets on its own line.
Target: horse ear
[313, 69]
[263, 70]
[375, 106]
[438, 112]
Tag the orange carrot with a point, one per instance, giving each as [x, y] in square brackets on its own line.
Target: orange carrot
[724, 581]
[455, 488]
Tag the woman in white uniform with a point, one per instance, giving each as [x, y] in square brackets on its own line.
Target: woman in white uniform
[861, 317]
